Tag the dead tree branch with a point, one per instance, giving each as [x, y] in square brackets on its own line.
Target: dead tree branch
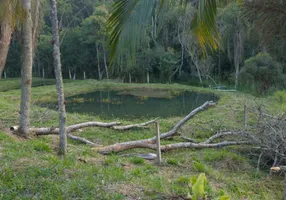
[150, 143]
[128, 127]
[80, 139]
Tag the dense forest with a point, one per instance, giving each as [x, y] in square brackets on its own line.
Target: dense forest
[168, 51]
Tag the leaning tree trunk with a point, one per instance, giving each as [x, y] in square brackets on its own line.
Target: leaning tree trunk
[26, 72]
[59, 79]
[5, 38]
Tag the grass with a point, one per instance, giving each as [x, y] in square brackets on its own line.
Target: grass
[31, 169]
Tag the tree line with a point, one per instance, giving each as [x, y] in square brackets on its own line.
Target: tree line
[168, 51]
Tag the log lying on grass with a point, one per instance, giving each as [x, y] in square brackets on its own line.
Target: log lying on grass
[206, 144]
[150, 143]
[75, 127]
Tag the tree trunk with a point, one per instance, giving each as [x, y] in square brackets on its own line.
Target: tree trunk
[237, 55]
[26, 72]
[130, 78]
[59, 79]
[70, 75]
[5, 38]
[43, 75]
[74, 75]
[84, 76]
[105, 64]
[5, 75]
[98, 64]
[148, 77]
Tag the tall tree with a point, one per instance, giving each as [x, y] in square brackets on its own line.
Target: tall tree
[59, 79]
[5, 38]
[11, 12]
[26, 71]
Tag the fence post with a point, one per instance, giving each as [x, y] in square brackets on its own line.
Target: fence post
[245, 117]
[158, 143]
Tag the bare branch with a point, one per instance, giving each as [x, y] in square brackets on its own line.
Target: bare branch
[81, 140]
[127, 127]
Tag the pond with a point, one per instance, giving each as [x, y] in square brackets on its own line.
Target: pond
[137, 103]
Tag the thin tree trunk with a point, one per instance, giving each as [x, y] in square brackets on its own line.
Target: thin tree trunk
[39, 65]
[26, 72]
[84, 76]
[43, 74]
[59, 79]
[5, 75]
[148, 77]
[98, 64]
[70, 75]
[237, 55]
[130, 78]
[74, 75]
[5, 38]
[105, 64]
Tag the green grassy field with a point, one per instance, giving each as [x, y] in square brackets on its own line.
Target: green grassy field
[31, 169]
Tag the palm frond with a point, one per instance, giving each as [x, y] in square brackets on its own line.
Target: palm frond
[128, 26]
[204, 25]
[13, 11]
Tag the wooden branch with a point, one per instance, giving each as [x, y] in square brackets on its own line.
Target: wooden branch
[127, 127]
[81, 140]
[219, 135]
[202, 145]
[91, 124]
[145, 143]
[69, 129]
[119, 147]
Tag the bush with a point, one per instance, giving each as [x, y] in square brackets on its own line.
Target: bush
[261, 73]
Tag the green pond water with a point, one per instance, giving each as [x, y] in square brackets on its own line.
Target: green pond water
[137, 103]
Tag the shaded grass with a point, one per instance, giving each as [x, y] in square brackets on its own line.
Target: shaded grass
[31, 168]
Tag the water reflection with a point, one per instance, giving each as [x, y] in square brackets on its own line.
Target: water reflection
[114, 104]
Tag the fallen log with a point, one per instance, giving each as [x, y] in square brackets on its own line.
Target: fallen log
[75, 127]
[146, 143]
[117, 148]
[128, 127]
[69, 129]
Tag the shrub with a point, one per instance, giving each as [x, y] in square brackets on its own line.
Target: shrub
[261, 73]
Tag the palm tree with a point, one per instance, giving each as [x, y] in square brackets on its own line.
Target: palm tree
[10, 13]
[130, 18]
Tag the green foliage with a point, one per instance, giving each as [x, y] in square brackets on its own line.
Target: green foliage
[41, 146]
[172, 162]
[261, 73]
[137, 161]
[200, 189]
[200, 167]
[280, 96]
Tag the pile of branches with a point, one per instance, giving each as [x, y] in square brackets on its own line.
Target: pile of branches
[270, 139]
